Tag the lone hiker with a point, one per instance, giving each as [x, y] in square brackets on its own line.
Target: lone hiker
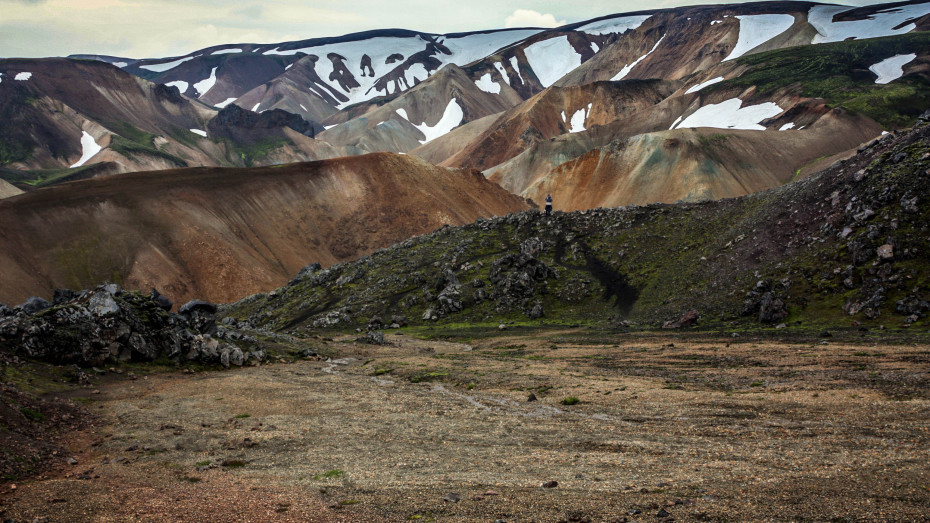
[548, 205]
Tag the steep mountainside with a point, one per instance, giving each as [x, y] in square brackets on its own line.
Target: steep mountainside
[823, 97]
[845, 246]
[557, 94]
[221, 234]
[63, 118]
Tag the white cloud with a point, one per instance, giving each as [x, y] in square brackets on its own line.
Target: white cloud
[530, 18]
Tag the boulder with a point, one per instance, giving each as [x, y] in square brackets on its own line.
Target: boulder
[161, 300]
[102, 304]
[34, 304]
[688, 319]
[772, 309]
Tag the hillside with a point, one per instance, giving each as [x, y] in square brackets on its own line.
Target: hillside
[220, 234]
[72, 119]
[839, 248]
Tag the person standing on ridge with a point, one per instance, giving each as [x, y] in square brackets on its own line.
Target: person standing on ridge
[548, 205]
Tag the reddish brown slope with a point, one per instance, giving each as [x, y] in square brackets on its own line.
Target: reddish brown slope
[222, 234]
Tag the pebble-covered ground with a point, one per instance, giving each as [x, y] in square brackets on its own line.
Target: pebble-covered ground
[666, 425]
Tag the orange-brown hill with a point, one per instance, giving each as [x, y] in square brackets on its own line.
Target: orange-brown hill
[221, 234]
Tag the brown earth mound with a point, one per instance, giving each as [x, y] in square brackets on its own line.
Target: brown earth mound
[221, 234]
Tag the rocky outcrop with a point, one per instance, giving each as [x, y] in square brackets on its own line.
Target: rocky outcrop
[108, 325]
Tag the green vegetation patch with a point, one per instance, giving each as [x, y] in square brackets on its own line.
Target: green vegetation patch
[839, 72]
[330, 474]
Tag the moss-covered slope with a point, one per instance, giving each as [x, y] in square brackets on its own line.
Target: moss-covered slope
[847, 245]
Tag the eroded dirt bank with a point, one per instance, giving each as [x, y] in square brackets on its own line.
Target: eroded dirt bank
[693, 427]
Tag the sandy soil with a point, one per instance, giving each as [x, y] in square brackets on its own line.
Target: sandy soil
[694, 427]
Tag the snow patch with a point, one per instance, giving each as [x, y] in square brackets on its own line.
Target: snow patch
[225, 102]
[451, 118]
[180, 84]
[891, 69]
[22, 77]
[160, 68]
[614, 25]
[552, 59]
[787, 126]
[731, 115]
[629, 67]
[563, 116]
[516, 67]
[487, 85]
[675, 123]
[755, 30]
[595, 48]
[227, 51]
[206, 84]
[200, 132]
[702, 85]
[467, 49]
[89, 148]
[120, 64]
[578, 119]
[302, 107]
[500, 69]
[716, 22]
[882, 23]
[289, 66]
[255, 109]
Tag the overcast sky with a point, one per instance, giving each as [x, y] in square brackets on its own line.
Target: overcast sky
[161, 28]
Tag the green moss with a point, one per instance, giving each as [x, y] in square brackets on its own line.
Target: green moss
[839, 72]
[133, 149]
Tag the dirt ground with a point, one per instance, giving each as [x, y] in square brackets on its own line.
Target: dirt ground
[681, 427]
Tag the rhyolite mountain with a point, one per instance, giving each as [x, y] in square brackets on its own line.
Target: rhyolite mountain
[687, 104]
[534, 107]
[220, 234]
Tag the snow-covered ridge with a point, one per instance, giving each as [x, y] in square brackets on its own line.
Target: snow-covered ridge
[619, 24]
[730, 115]
[465, 49]
[882, 23]
[755, 30]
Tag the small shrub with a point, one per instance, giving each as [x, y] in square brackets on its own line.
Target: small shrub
[570, 400]
[242, 416]
[330, 474]
[31, 414]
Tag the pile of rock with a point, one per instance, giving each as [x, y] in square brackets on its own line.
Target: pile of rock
[108, 324]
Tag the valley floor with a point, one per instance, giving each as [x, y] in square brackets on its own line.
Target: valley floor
[691, 426]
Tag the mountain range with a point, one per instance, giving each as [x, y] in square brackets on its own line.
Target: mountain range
[687, 104]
